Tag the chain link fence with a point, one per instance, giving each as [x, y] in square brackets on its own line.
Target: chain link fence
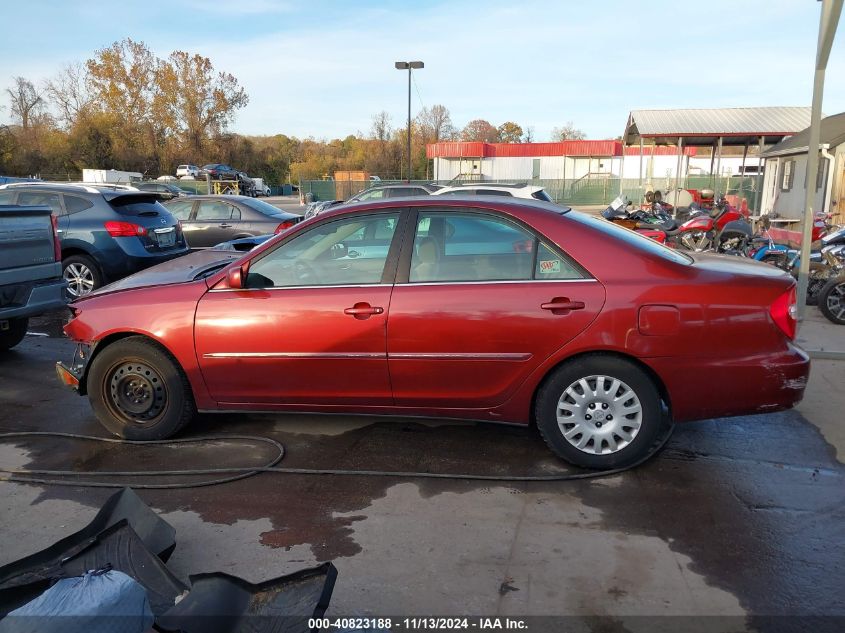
[588, 191]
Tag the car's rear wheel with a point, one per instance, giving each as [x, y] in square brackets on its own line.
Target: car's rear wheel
[82, 275]
[599, 412]
[138, 391]
[12, 332]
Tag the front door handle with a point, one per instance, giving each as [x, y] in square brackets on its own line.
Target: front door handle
[562, 305]
[225, 226]
[363, 310]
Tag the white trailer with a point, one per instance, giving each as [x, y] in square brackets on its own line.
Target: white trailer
[111, 176]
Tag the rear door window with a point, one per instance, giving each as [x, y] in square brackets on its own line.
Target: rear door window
[6, 197]
[216, 210]
[33, 198]
[401, 192]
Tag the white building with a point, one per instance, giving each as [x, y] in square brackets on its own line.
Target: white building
[785, 184]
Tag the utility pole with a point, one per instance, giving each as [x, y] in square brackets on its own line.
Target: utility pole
[409, 66]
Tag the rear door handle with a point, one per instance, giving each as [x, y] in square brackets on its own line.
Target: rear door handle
[225, 226]
[562, 305]
[363, 310]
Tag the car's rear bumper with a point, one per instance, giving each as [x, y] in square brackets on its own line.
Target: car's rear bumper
[700, 388]
[35, 299]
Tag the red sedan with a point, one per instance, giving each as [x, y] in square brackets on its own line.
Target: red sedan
[489, 309]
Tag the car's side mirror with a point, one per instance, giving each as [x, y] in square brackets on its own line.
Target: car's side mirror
[236, 278]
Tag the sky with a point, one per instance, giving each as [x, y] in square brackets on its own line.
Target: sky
[322, 69]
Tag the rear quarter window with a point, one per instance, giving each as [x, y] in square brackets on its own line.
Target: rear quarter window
[631, 238]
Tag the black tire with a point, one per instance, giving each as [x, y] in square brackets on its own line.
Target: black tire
[138, 391]
[13, 334]
[832, 300]
[82, 275]
[631, 378]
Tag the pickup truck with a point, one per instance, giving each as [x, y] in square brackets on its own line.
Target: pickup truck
[31, 281]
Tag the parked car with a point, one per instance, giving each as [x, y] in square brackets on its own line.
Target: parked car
[315, 208]
[165, 191]
[31, 281]
[261, 188]
[246, 185]
[187, 170]
[517, 190]
[209, 220]
[107, 231]
[219, 171]
[394, 191]
[481, 307]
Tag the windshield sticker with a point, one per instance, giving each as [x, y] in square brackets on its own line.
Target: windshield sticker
[548, 266]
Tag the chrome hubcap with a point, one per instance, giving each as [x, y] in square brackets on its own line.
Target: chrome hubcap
[80, 280]
[836, 301]
[137, 391]
[599, 415]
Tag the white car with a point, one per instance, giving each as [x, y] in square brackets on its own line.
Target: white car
[187, 170]
[520, 190]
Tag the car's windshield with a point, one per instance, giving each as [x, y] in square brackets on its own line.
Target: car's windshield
[632, 238]
[262, 207]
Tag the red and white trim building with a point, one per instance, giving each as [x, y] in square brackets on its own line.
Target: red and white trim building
[569, 160]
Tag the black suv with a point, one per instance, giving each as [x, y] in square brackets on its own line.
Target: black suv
[106, 231]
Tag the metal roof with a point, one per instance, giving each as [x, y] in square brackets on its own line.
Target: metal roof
[832, 134]
[704, 126]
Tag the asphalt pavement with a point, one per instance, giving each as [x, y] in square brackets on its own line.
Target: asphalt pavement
[741, 518]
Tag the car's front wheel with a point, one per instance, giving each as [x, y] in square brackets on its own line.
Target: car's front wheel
[138, 391]
[599, 412]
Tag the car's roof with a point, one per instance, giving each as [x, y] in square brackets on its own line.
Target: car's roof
[441, 202]
[483, 185]
[108, 191]
[223, 196]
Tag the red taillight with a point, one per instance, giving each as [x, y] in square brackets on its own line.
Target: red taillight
[57, 246]
[784, 312]
[284, 226]
[124, 229]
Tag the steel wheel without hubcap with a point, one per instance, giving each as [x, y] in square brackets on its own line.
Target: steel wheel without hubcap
[80, 279]
[136, 392]
[599, 414]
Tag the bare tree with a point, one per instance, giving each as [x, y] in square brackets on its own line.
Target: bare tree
[68, 91]
[435, 124]
[381, 129]
[528, 137]
[568, 132]
[27, 101]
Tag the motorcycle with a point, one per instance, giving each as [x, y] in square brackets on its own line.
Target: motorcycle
[723, 229]
[650, 223]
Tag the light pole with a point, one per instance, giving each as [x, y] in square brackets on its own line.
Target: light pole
[409, 66]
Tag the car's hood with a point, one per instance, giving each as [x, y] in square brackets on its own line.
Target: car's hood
[186, 268]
